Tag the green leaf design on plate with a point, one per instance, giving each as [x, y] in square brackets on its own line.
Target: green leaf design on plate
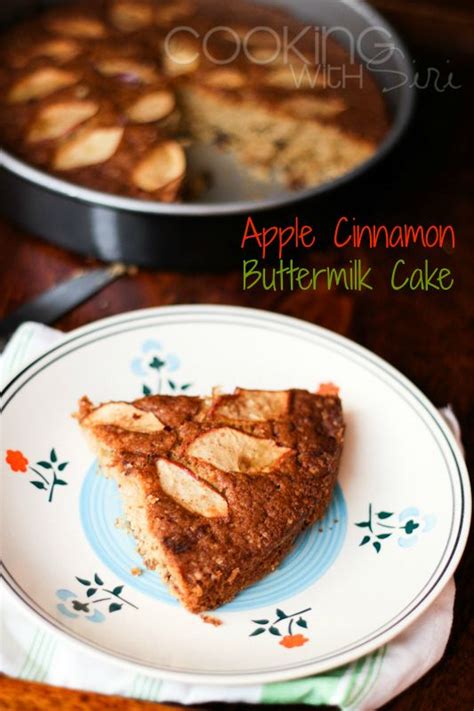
[83, 581]
[261, 622]
[302, 623]
[259, 630]
[186, 386]
[117, 590]
[114, 606]
[363, 524]
[365, 540]
[98, 580]
[384, 514]
[384, 535]
[62, 466]
[280, 614]
[172, 384]
[91, 591]
[275, 631]
[61, 482]
[45, 465]
[53, 456]
[146, 390]
[377, 546]
[38, 484]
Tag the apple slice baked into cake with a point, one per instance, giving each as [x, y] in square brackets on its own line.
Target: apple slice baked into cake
[217, 489]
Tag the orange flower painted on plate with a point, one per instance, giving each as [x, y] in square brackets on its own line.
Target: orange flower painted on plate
[47, 473]
[16, 461]
[293, 640]
[328, 389]
[282, 620]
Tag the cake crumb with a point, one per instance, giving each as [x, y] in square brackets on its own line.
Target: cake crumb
[210, 620]
[136, 571]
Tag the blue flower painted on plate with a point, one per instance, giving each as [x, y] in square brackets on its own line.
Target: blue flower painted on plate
[95, 593]
[380, 526]
[73, 607]
[155, 366]
[414, 523]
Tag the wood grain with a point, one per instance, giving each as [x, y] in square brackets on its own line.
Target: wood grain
[28, 696]
[428, 336]
[432, 24]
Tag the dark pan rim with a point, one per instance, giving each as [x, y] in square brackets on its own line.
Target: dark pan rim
[96, 198]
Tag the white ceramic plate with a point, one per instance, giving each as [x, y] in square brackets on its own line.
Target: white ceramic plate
[390, 541]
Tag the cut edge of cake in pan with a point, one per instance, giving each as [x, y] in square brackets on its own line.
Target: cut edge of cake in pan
[216, 490]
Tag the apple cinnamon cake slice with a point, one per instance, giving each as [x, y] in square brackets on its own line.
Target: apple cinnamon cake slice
[217, 489]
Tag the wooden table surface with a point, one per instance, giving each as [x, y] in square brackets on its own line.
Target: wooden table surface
[428, 336]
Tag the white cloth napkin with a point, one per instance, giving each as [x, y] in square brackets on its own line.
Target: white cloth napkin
[30, 651]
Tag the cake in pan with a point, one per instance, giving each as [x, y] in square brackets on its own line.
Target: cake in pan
[109, 94]
[216, 490]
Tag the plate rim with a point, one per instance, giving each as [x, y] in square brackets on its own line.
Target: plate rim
[305, 668]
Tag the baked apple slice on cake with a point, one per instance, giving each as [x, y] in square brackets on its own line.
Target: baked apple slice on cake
[217, 489]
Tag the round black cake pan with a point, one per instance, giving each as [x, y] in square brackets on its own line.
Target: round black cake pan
[204, 234]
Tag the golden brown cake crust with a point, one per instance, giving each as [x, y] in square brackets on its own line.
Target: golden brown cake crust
[209, 559]
[349, 121]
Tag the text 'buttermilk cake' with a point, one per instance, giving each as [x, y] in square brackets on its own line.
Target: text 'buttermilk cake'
[216, 490]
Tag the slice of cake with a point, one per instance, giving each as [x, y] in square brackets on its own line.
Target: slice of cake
[216, 490]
